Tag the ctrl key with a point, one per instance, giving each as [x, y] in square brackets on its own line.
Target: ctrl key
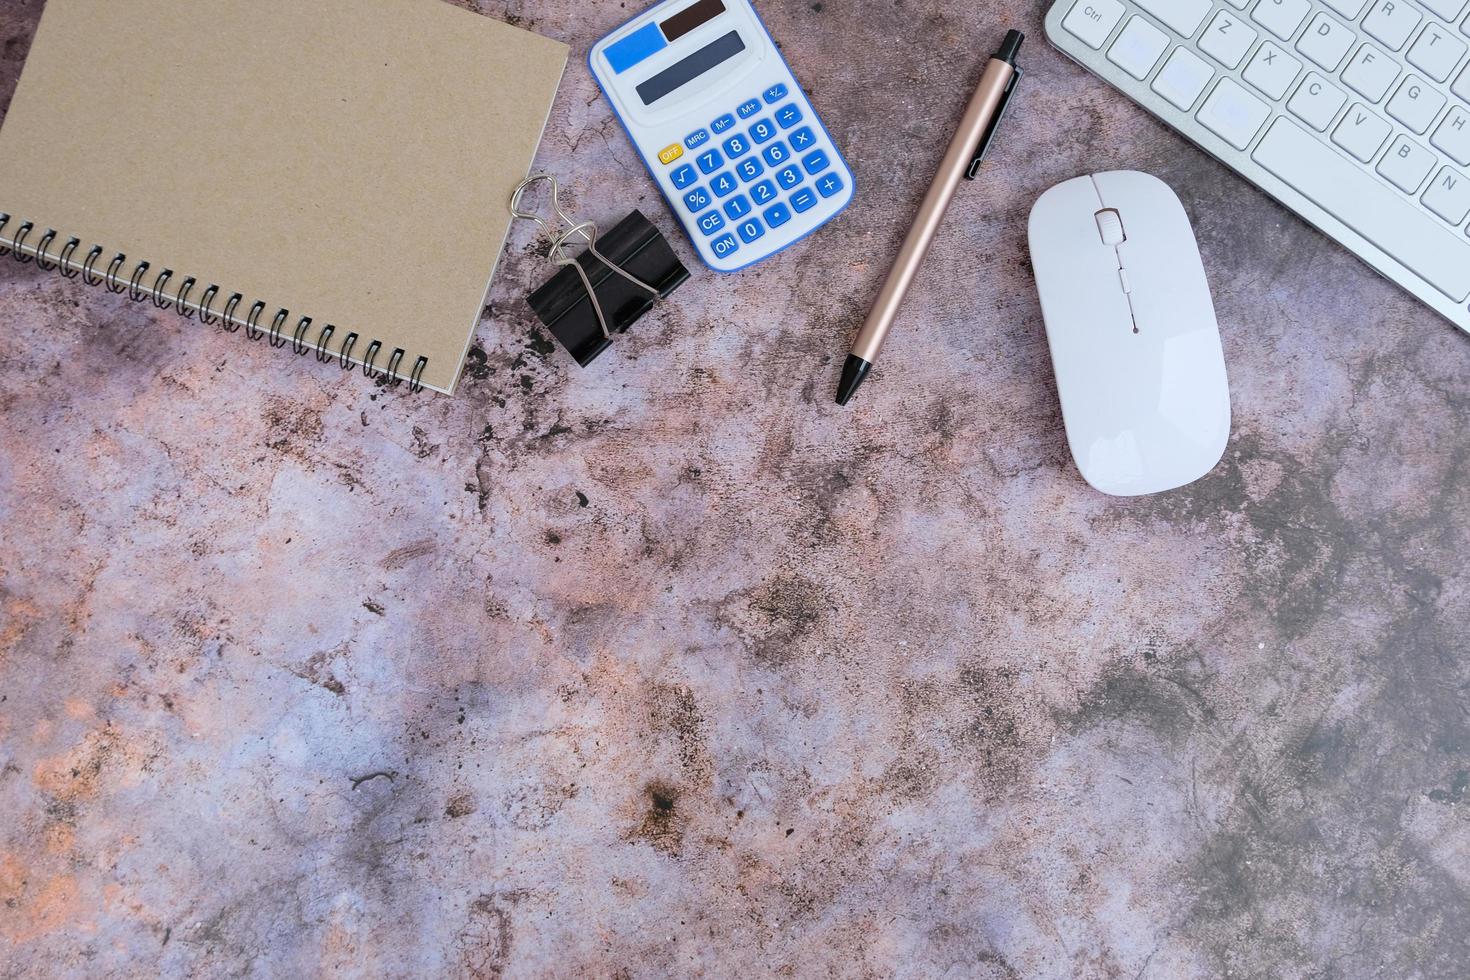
[1093, 20]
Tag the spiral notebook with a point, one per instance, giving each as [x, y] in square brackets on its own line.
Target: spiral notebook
[332, 176]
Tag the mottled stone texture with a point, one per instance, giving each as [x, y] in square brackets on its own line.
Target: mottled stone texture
[669, 667]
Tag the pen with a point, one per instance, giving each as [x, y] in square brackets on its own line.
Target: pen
[962, 159]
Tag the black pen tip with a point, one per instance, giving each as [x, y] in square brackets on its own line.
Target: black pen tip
[1010, 47]
[853, 373]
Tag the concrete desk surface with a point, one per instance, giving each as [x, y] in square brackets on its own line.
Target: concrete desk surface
[669, 667]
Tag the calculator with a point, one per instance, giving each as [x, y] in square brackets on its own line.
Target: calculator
[723, 127]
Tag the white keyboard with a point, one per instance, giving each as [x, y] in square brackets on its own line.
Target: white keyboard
[1351, 113]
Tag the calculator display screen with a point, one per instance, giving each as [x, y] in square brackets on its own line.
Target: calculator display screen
[687, 69]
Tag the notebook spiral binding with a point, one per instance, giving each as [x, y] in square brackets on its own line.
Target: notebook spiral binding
[227, 317]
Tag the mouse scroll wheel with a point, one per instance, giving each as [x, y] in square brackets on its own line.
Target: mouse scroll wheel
[1110, 226]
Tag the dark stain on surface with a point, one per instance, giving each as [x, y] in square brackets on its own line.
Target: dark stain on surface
[1168, 698]
[663, 821]
[776, 618]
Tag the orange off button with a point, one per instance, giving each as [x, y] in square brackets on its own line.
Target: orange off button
[670, 153]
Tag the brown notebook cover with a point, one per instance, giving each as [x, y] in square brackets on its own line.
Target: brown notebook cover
[349, 162]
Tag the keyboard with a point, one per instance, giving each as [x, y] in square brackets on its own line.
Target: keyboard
[1351, 113]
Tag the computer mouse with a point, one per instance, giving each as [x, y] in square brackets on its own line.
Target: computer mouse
[1132, 331]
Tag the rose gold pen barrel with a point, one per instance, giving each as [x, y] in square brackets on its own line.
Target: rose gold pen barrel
[978, 116]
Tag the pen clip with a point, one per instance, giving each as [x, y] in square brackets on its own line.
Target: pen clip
[990, 131]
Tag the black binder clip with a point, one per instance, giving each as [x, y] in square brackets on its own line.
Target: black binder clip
[607, 288]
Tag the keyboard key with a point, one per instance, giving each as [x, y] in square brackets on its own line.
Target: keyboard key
[737, 207]
[1392, 21]
[803, 139]
[736, 147]
[777, 215]
[788, 115]
[815, 162]
[1183, 77]
[776, 154]
[751, 229]
[683, 177]
[776, 93]
[1416, 104]
[724, 245]
[1138, 48]
[1183, 16]
[1436, 53]
[1233, 114]
[1272, 70]
[1462, 85]
[748, 109]
[1281, 17]
[723, 184]
[1406, 164]
[1093, 20]
[697, 138]
[1448, 9]
[1449, 196]
[711, 222]
[749, 169]
[764, 192]
[804, 200]
[1326, 41]
[1370, 73]
[1239, 4]
[1226, 40]
[1414, 239]
[1453, 135]
[1361, 133]
[670, 153]
[762, 131]
[697, 199]
[829, 184]
[788, 177]
[1348, 8]
[1316, 102]
[723, 124]
[709, 161]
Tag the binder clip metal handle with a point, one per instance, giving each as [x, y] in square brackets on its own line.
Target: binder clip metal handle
[603, 291]
[558, 254]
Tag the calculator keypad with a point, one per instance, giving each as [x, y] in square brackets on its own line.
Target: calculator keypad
[760, 176]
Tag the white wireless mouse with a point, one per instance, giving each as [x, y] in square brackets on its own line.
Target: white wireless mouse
[1132, 331]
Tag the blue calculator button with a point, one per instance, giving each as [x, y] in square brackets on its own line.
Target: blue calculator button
[748, 109]
[749, 169]
[788, 115]
[722, 124]
[829, 185]
[803, 139]
[776, 154]
[804, 200]
[751, 229]
[711, 222]
[683, 177]
[815, 162]
[777, 215]
[697, 199]
[724, 245]
[762, 131]
[776, 93]
[736, 146]
[697, 138]
[788, 177]
[764, 192]
[739, 206]
[709, 161]
[723, 184]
